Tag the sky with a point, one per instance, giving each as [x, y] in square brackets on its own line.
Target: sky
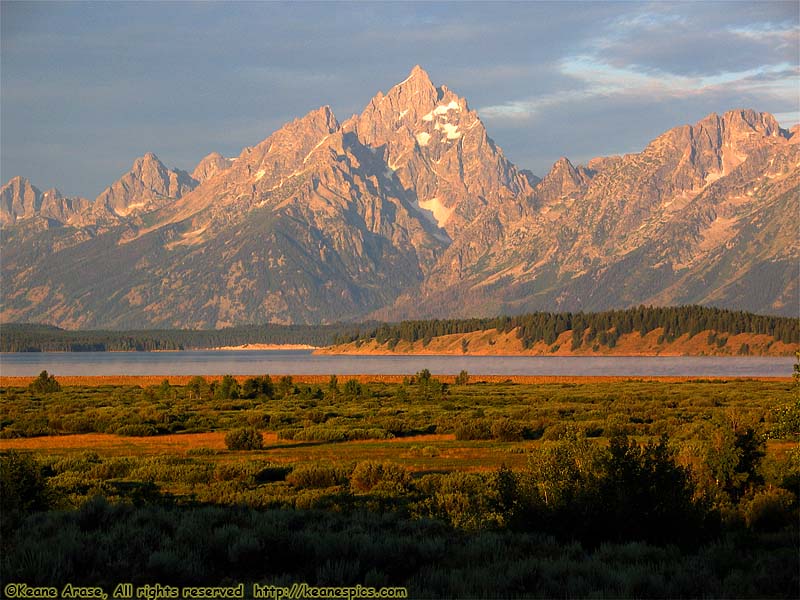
[85, 88]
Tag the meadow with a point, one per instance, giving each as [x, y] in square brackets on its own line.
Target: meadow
[450, 486]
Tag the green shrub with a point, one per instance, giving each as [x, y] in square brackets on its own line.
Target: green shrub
[23, 488]
[369, 474]
[238, 471]
[459, 499]
[316, 476]
[45, 384]
[325, 432]
[197, 387]
[112, 468]
[352, 388]
[462, 378]
[787, 421]
[80, 463]
[226, 389]
[555, 431]
[255, 387]
[473, 429]
[507, 430]
[137, 430]
[285, 386]
[246, 438]
[770, 510]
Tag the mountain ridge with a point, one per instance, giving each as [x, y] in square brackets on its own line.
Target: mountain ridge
[409, 209]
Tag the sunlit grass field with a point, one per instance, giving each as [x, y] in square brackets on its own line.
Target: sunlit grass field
[161, 417]
[467, 487]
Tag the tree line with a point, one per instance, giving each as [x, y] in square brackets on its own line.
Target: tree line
[603, 328]
[31, 337]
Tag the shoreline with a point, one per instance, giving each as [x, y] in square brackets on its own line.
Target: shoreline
[147, 380]
[211, 349]
[382, 351]
[328, 351]
[262, 347]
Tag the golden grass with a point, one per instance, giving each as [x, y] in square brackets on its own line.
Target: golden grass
[413, 451]
[106, 443]
[178, 441]
[494, 343]
[780, 448]
[419, 453]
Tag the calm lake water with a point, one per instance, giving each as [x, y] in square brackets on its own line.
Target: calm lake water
[302, 362]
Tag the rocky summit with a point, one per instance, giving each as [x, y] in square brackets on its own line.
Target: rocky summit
[410, 210]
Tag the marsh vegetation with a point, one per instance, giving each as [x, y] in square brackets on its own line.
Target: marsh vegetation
[622, 488]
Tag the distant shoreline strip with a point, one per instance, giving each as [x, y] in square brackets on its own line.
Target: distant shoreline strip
[145, 380]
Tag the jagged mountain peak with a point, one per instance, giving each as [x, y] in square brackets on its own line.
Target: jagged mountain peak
[794, 134]
[18, 180]
[322, 118]
[405, 104]
[296, 134]
[740, 127]
[417, 96]
[417, 72]
[147, 162]
[411, 199]
[52, 193]
[439, 150]
[148, 185]
[746, 119]
[150, 157]
[210, 165]
[563, 179]
[154, 172]
[20, 200]
[21, 184]
[417, 80]
[257, 174]
[563, 164]
[562, 173]
[683, 161]
[286, 150]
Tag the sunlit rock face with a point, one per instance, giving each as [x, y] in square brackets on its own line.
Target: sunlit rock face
[409, 209]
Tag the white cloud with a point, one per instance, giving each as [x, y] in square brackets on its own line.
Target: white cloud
[601, 79]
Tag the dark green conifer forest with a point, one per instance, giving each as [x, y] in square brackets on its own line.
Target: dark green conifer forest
[604, 327]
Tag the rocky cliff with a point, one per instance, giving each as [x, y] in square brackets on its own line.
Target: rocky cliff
[409, 209]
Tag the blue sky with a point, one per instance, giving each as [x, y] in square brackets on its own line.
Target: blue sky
[85, 88]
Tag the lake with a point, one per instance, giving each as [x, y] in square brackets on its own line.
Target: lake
[303, 362]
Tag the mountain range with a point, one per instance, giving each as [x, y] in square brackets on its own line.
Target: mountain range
[410, 210]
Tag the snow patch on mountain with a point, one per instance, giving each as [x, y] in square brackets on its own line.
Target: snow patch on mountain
[441, 213]
[441, 110]
[423, 138]
[451, 130]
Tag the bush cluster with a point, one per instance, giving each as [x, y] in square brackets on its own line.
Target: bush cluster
[246, 438]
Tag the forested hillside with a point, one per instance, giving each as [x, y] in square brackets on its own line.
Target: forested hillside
[588, 330]
[45, 338]
[602, 328]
